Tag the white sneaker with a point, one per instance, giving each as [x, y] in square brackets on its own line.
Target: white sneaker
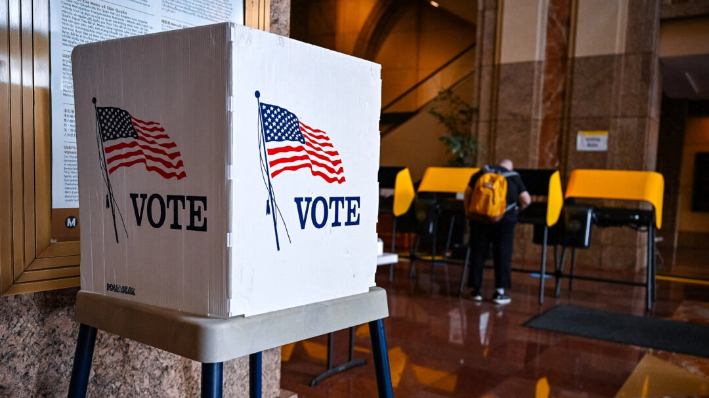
[498, 298]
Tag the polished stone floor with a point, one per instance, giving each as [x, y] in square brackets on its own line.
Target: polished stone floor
[444, 346]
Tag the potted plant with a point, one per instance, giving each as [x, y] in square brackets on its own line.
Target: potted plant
[456, 115]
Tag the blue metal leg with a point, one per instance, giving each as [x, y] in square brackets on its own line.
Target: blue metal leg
[543, 270]
[333, 370]
[648, 287]
[255, 367]
[381, 359]
[654, 262]
[573, 268]
[212, 380]
[82, 361]
[465, 272]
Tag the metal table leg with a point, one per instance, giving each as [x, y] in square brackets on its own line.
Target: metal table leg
[560, 272]
[213, 380]
[654, 262]
[412, 257]
[450, 237]
[255, 376]
[542, 272]
[433, 254]
[393, 250]
[381, 359]
[465, 271]
[85, 344]
[393, 236]
[351, 363]
[648, 287]
[573, 268]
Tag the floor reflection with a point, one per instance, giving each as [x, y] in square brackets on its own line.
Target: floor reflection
[443, 346]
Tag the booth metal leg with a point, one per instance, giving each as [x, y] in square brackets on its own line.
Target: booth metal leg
[542, 272]
[654, 262]
[393, 236]
[255, 377]
[464, 273]
[560, 271]
[648, 287]
[433, 255]
[573, 268]
[393, 249]
[556, 257]
[213, 380]
[333, 370]
[412, 257]
[450, 236]
[381, 359]
[79, 381]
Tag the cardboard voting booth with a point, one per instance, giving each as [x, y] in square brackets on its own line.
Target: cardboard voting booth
[226, 171]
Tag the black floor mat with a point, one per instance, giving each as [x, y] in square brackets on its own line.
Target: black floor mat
[673, 336]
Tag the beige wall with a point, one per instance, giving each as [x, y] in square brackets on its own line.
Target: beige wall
[422, 41]
[696, 139]
[601, 28]
[332, 24]
[523, 34]
[684, 37]
[415, 144]
[423, 38]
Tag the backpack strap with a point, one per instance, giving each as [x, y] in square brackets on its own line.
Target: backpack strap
[508, 174]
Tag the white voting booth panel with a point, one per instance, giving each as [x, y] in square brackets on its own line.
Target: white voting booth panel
[226, 171]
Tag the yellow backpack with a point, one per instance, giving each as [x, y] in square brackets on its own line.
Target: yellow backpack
[488, 202]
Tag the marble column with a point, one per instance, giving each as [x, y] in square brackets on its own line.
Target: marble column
[486, 71]
[615, 87]
[280, 17]
[550, 68]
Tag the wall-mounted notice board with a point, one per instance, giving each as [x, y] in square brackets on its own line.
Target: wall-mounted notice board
[39, 220]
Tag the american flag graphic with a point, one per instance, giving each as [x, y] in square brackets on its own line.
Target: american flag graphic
[293, 145]
[129, 141]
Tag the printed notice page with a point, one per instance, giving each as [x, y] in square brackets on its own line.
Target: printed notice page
[75, 22]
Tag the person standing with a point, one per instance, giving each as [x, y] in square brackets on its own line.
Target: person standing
[495, 228]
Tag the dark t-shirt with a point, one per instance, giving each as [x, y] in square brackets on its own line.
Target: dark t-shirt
[515, 186]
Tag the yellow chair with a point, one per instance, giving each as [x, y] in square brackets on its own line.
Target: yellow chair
[646, 186]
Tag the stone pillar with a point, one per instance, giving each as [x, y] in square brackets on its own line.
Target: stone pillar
[485, 93]
[280, 17]
[615, 87]
[563, 66]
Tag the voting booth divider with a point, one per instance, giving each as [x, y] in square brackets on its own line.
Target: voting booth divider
[644, 186]
[228, 190]
[544, 214]
[396, 194]
[452, 182]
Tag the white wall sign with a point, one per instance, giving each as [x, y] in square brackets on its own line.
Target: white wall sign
[592, 141]
[74, 22]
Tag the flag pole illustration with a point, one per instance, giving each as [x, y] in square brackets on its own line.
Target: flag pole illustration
[110, 199]
[288, 144]
[124, 141]
[268, 174]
